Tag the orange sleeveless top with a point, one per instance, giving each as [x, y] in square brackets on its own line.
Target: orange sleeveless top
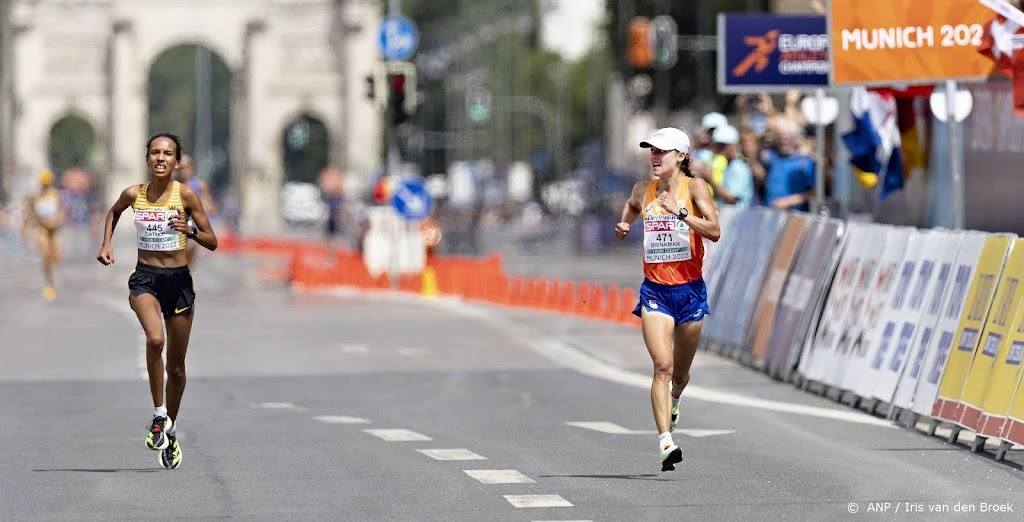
[673, 252]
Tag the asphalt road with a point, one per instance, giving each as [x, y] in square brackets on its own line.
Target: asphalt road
[351, 406]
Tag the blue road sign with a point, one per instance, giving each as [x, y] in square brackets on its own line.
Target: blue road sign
[411, 199]
[398, 38]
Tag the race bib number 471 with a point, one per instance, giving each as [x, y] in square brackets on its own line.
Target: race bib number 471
[666, 240]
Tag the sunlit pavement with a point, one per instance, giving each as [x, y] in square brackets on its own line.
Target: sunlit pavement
[353, 406]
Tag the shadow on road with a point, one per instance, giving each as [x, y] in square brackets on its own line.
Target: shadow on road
[650, 476]
[100, 470]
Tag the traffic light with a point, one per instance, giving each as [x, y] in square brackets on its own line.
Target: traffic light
[638, 50]
[396, 98]
[664, 47]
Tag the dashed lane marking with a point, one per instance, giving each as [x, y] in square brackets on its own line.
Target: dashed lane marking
[341, 419]
[610, 427]
[499, 476]
[537, 501]
[398, 435]
[276, 406]
[451, 454]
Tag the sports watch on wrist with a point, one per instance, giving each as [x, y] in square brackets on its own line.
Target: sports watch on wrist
[682, 213]
[193, 233]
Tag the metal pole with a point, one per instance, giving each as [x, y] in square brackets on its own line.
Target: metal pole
[955, 162]
[819, 207]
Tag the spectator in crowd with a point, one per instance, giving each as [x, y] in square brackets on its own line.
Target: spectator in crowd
[750, 149]
[710, 164]
[737, 186]
[789, 183]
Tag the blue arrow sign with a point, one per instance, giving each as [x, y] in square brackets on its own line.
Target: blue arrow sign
[411, 199]
[398, 38]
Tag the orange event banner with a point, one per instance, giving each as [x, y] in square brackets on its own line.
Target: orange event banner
[878, 42]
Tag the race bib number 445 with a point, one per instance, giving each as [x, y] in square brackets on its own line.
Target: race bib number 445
[666, 240]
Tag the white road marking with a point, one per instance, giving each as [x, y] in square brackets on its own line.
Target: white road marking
[398, 435]
[703, 433]
[499, 476]
[537, 501]
[574, 359]
[412, 352]
[610, 427]
[451, 454]
[355, 348]
[341, 419]
[276, 406]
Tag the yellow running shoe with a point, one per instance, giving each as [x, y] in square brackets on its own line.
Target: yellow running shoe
[49, 293]
[170, 457]
[156, 439]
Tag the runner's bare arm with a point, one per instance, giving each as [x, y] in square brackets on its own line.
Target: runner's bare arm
[208, 202]
[128, 195]
[705, 219]
[631, 210]
[194, 208]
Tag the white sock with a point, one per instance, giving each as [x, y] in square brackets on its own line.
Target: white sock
[665, 439]
[675, 401]
[160, 411]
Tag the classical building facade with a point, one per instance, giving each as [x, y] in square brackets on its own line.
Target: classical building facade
[92, 58]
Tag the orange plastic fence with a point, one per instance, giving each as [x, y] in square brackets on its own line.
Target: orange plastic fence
[311, 266]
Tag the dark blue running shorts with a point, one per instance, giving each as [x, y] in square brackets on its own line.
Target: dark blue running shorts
[684, 303]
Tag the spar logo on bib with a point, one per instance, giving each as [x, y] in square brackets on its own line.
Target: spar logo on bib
[666, 224]
[151, 215]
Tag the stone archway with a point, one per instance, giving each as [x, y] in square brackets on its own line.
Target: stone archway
[72, 143]
[306, 144]
[189, 88]
[284, 57]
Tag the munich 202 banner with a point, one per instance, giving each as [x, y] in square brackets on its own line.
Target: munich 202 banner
[771, 52]
[882, 42]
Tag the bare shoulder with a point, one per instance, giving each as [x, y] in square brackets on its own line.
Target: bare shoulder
[698, 187]
[132, 191]
[186, 190]
[640, 188]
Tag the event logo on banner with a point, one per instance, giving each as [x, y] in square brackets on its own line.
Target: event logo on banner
[1004, 310]
[1006, 374]
[881, 42]
[855, 375]
[918, 314]
[979, 301]
[771, 52]
[1013, 427]
[939, 342]
[885, 334]
[782, 261]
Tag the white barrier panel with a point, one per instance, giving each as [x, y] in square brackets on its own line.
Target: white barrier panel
[712, 249]
[741, 314]
[867, 306]
[815, 282]
[820, 348]
[742, 228]
[940, 342]
[750, 250]
[913, 312]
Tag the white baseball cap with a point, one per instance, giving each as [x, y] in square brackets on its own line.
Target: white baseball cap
[713, 120]
[726, 134]
[669, 138]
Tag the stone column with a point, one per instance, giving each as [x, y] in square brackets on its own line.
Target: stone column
[127, 112]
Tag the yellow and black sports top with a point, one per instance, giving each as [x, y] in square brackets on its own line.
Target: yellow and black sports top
[152, 221]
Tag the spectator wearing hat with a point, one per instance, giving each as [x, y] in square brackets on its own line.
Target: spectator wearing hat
[737, 186]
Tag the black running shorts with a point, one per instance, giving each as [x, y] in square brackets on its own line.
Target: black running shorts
[172, 287]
